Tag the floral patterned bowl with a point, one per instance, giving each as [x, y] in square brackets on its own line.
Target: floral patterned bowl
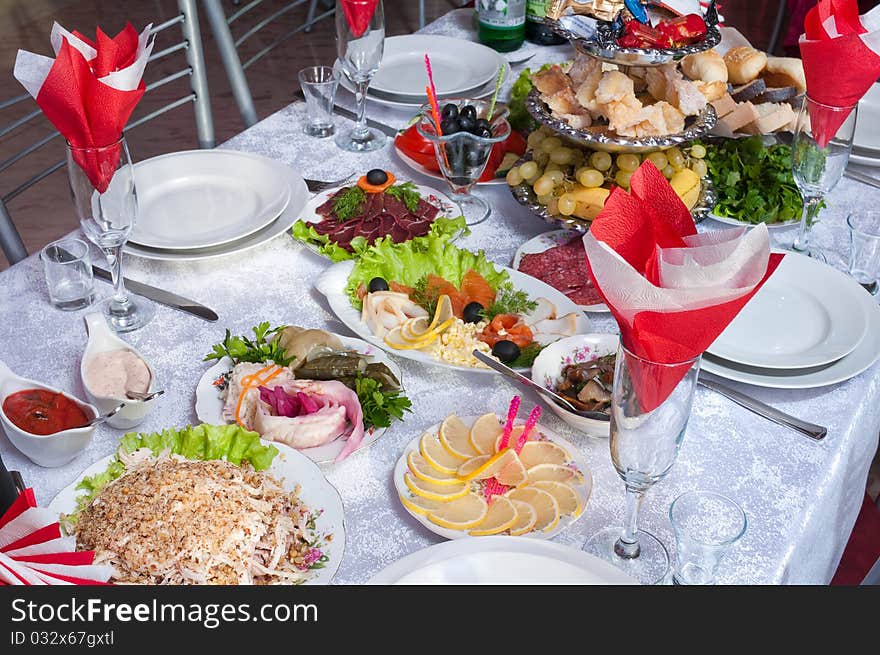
[547, 371]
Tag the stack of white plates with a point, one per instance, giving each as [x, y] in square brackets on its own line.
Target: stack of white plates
[866, 141]
[501, 560]
[460, 68]
[200, 204]
[809, 326]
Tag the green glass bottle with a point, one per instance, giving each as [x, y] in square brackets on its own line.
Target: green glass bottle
[536, 31]
[502, 23]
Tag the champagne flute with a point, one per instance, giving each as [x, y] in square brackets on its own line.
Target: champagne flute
[647, 428]
[104, 196]
[360, 42]
[819, 155]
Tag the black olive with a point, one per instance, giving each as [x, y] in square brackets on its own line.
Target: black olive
[506, 351]
[468, 111]
[466, 124]
[475, 157]
[473, 312]
[377, 176]
[450, 126]
[377, 284]
[483, 133]
[449, 111]
[482, 123]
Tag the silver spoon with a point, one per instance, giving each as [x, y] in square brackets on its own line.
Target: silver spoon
[143, 397]
[526, 382]
[101, 419]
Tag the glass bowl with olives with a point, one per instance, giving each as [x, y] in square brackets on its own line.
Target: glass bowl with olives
[464, 145]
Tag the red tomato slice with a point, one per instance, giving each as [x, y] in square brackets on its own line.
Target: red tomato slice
[516, 142]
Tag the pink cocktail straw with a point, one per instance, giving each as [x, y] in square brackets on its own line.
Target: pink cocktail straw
[508, 427]
[531, 422]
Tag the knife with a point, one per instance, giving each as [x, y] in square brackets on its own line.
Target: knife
[161, 296]
[862, 177]
[348, 113]
[812, 430]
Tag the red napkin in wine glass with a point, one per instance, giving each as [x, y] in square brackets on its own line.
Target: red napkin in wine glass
[358, 13]
[89, 90]
[841, 53]
[34, 552]
[671, 290]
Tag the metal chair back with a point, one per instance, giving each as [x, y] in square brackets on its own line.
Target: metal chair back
[10, 239]
[221, 27]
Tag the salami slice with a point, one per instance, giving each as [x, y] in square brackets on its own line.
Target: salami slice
[563, 267]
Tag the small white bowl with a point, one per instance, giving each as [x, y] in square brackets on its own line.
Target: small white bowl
[103, 339]
[547, 371]
[48, 450]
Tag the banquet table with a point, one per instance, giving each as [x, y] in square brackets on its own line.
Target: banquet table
[801, 497]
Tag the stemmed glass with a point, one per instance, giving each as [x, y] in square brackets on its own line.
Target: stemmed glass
[104, 196]
[646, 432]
[463, 156]
[818, 167]
[359, 46]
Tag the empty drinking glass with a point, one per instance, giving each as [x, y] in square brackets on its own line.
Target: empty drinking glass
[650, 407]
[819, 155]
[706, 524]
[864, 255]
[360, 42]
[104, 197]
[318, 84]
[68, 267]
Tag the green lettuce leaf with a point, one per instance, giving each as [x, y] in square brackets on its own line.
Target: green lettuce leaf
[409, 262]
[442, 227]
[202, 442]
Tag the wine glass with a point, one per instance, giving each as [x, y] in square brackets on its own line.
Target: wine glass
[650, 406]
[360, 42]
[819, 155]
[103, 191]
[462, 156]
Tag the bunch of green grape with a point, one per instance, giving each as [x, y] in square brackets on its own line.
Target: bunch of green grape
[558, 164]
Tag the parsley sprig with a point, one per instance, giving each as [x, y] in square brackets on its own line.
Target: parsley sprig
[753, 181]
[380, 407]
[509, 301]
[407, 193]
[349, 203]
[257, 350]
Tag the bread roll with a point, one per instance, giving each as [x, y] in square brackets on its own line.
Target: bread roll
[744, 64]
[785, 71]
[707, 66]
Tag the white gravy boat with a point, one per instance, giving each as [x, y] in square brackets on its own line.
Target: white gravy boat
[103, 339]
[48, 450]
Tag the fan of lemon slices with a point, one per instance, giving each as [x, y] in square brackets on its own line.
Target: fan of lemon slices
[418, 333]
[447, 475]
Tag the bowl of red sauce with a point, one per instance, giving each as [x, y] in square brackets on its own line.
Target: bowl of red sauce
[43, 422]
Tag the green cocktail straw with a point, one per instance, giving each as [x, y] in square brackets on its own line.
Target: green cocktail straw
[495, 95]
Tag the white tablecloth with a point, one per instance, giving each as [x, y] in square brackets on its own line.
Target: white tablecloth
[801, 497]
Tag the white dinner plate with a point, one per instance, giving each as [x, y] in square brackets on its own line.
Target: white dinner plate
[209, 405]
[859, 360]
[412, 103]
[299, 195]
[416, 166]
[865, 159]
[583, 490]
[727, 220]
[867, 134]
[501, 561]
[447, 207]
[546, 241]
[331, 283]
[458, 65]
[806, 315]
[293, 470]
[205, 198]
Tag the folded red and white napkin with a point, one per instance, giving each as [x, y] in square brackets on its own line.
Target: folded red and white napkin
[33, 551]
[841, 54]
[89, 90]
[671, 290]
[358, 13]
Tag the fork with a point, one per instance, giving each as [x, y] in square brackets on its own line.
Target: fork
[316, 186]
